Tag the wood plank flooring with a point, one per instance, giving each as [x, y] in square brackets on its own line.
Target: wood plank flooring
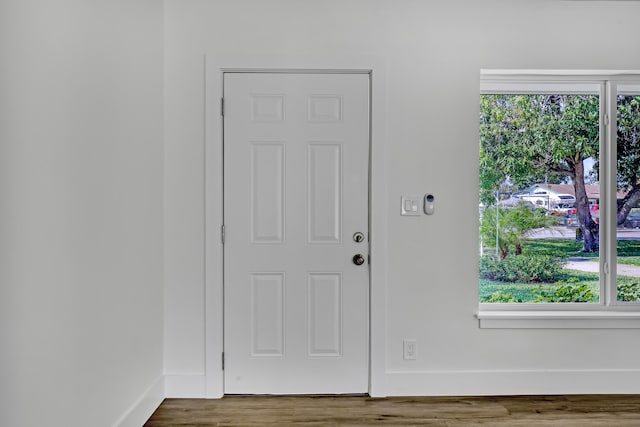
[316, 411]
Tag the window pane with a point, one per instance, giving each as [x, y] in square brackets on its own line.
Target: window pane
[628, 215]
[539, 193]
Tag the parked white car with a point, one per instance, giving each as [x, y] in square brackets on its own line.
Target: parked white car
[547, 199]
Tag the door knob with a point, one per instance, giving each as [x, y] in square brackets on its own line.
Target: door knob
[358, 259]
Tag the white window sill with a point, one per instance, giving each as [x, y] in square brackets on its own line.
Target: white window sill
[557, 319]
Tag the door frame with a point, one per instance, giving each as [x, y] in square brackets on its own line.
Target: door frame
[213, 148]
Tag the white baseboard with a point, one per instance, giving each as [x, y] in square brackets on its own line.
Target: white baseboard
[185, 386]
[494, 383]
[144, 406]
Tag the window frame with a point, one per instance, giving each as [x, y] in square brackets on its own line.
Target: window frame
[608, 312]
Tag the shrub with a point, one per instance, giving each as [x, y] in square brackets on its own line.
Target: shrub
[628, 290]
[568, 292]
[500, 297]
[524, 269]
[521, 292]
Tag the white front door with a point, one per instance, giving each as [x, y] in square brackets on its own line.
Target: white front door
[296, 156]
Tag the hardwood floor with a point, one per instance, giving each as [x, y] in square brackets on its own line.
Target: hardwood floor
[516, 411]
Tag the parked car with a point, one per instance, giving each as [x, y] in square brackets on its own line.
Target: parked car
[633, 220]
[551, 201]
[572, 220]
[562, 210]
[592, 208]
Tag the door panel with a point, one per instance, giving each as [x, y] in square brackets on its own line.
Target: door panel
[267, 192]
[296, 154]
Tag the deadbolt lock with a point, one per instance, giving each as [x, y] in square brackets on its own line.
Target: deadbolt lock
[358, 237]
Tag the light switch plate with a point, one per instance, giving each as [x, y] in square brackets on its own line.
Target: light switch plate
[410, 205]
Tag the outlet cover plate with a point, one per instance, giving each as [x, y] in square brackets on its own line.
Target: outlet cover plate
[409, 349]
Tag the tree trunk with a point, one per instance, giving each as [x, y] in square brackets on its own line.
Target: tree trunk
[589, 228]
[629, 202]
[518, 248]
[504, 251]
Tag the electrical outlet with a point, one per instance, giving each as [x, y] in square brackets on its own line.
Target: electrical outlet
[410, 349]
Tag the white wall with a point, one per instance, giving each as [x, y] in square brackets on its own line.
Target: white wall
[81, 211]
[426, 56]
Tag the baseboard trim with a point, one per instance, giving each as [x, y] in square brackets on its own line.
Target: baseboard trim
[144, 406]
[185, 386]
[494, 383]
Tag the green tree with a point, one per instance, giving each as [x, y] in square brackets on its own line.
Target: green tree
[628, 146]
[526, 137]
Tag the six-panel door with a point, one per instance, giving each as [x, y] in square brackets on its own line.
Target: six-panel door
[296, 156]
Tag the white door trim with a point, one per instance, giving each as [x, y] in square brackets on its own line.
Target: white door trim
[214, 68]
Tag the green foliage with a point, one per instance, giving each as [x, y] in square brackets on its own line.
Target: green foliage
[629, 261]
[628, 288]
[563, 248]
[628, 248]
[501, 297]
[524, 269]
[568, 286]
[578, 287]
[568, 248]
[628, 141]
[513, 225]
[509, 282]
[570, 291]
[529, 138]
[521, 292]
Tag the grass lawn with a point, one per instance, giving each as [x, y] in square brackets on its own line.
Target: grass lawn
[633, 260]
[566, 248]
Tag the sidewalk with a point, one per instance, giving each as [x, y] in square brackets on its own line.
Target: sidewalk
[562, 232]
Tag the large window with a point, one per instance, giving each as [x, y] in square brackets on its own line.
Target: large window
[559, 192]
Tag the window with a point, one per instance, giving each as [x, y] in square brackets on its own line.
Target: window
[559, 193]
